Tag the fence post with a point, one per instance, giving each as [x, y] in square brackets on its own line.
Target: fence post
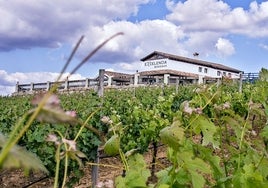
[240, 82]
[32, 86]
[177, 85]
[17, 87]
[48, 86]
[101, 82]
[95, 168]
[66, 85]
[87, 83]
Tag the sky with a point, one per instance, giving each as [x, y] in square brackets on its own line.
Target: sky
[37, 37]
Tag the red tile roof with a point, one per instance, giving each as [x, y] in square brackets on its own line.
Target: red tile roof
[168, 71]
[117, 74]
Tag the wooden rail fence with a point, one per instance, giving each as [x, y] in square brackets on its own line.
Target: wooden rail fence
[62, 85]
[84, 84]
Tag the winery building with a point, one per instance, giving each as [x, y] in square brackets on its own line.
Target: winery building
[155, 68]
[160, 67]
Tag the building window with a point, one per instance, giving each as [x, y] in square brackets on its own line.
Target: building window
[205, 70]
[218, 73]
[224, 73]
[199, 69]
[229, 75]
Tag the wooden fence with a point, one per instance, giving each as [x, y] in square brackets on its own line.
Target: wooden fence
[85, 84]
[62, 85]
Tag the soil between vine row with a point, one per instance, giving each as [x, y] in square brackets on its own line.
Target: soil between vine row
[109, 168]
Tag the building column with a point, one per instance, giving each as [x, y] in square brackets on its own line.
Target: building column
[218, 82]
[166, 79]
[110, 79]
[200, 79]
[157, 79]
[136, 79]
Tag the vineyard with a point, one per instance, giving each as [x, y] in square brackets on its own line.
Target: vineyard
[215, 135]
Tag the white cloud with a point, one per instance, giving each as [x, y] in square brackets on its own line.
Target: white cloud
[6, 90]
[192, 26]
[130, 67]
[201, 42]
[224, 47]
[138, 40]
[214, 15]
[45, 23]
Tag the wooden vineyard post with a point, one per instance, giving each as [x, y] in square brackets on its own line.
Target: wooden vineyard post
[17, 88]
[154, 158]
[101, 82]
[240, 83]
[177, 85]
[95, 168]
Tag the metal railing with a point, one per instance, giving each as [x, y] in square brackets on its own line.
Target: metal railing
[250, 77]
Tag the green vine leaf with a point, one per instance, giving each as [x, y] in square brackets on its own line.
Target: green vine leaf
[77, 155]
[172, 135]
[137, 174]
[196, 167]
[264, 74]
[208, 129]
[213, 160]
[111, 147]
[18, 157]
[264, 133]
[197, 180]
[248, 178]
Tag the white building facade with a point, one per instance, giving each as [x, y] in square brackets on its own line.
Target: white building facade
[159, 61]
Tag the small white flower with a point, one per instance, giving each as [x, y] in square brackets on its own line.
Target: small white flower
[198, 110]
[53, 99]
[186, 108]
[71, 143]
[100, 184]
[253, 133]
[71, 113]
[226, 105]
[109, 184]
[106, 120]
[53, 138]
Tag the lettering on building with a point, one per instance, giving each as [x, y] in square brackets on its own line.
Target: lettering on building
[156, 64]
